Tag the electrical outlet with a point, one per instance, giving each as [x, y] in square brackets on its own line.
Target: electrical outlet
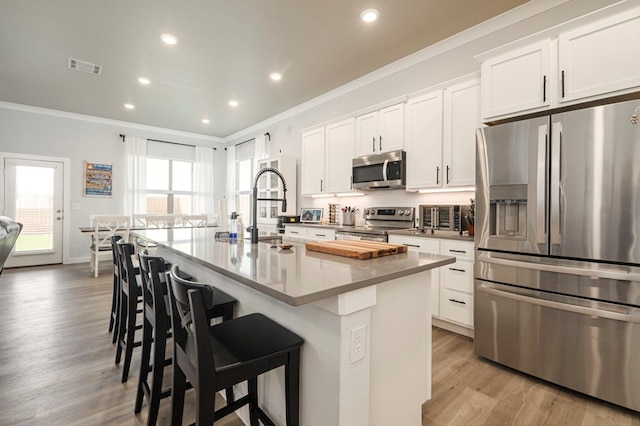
[358, 343]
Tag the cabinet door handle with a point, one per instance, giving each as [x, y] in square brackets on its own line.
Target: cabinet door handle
[544, 88]
[457, 251]
[374, 144]
[351, 183]
[380, 143]
[457, 269]
[321, 181]
[448, 175]
[457, 301]
[437, 175]
[562, 83]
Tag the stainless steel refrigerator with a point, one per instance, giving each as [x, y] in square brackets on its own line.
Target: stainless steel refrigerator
[557, 275]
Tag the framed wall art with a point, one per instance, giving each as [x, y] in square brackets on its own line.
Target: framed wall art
[98, 179]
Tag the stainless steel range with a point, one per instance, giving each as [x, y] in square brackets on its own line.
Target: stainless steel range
[378, 221]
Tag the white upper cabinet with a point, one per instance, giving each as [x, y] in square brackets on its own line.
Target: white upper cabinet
[600, 58]
[517, 81]
[441, 128]
[590, 62]
[380, 131]
[461, 119]
[339, 139]
[424, 141]
[313, 162]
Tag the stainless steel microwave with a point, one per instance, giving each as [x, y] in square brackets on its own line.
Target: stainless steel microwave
[380, 171]
[444, 217]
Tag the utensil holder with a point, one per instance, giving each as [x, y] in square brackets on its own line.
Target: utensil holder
[348, 219]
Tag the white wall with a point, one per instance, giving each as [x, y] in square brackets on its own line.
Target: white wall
[40, 132]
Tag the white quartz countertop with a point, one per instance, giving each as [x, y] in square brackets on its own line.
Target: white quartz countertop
[294, 276]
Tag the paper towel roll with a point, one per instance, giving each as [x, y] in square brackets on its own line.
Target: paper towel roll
[223, 215]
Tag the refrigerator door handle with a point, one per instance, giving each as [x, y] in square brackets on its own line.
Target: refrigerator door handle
[483, 288]
[571, 270]
[556, 154]
[541, 191]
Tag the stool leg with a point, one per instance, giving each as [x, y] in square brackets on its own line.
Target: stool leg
[147, 339]
[122, 320]
[130, 336]
[178, 387]
[118, 319]
[292, 388]
[226, 316]
[112, 316]
[159, 353]
[253, 401]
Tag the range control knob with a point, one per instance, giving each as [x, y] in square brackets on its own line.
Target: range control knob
[401, 212]
[407, 212]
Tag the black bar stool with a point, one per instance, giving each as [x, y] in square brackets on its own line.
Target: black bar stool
[113, 318]
[216, 357]
[130, 297]
[156, 329]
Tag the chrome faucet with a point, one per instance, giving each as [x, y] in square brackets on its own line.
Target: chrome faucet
[255, 199]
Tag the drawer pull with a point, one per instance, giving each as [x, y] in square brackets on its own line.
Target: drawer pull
[293, 232]
[411, 245]
[457, 269]
[320, 235]
[457, 251]
[457, 301]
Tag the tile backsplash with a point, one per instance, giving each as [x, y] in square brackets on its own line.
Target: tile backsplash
[389, 198]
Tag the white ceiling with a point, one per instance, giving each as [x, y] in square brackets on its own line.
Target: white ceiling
[226, 49]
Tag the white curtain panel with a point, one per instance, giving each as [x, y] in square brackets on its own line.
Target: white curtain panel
[203, 181]
[231, 179]
[135, 186]
[261, 148]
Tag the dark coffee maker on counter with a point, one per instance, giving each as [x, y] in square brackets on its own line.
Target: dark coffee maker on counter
[283, 220]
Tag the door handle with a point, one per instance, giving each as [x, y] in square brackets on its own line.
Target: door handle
[448, 175]
[541, 190]
[437, 175]
[374, 144]
[380, 143]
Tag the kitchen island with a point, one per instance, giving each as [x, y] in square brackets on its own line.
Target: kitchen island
[366, 323]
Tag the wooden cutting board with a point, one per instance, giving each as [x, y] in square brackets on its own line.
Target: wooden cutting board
[356, 249]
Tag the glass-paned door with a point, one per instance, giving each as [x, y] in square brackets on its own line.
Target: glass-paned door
[34, 197]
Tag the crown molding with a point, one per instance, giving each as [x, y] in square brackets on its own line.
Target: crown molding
[108, 121]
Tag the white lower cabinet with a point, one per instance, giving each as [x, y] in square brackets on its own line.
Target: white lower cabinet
[452, 291]
[309, 233]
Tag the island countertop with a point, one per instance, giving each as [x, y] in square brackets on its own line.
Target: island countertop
[294, 276]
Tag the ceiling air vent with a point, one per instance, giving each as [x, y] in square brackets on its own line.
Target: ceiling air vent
[84, 66]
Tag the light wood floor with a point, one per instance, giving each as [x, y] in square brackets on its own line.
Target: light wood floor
[57, 367]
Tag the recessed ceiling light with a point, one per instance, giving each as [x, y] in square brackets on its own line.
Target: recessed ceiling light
[129, 106]
[169, 39]
[233, 103]
[275, 76]
[206, 121]
[144, 80]
[369, 15]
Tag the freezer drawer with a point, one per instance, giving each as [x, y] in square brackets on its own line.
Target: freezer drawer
[590, 348]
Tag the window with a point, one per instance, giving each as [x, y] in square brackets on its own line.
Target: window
[245, 153]
[170, 188]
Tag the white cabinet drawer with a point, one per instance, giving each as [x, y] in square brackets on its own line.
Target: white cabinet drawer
[298, 231]
[458, 276]
[459, 249]
[321, 234]
[457, 307]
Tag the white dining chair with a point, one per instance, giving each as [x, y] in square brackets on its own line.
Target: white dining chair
[104, 226]
[193, 221]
